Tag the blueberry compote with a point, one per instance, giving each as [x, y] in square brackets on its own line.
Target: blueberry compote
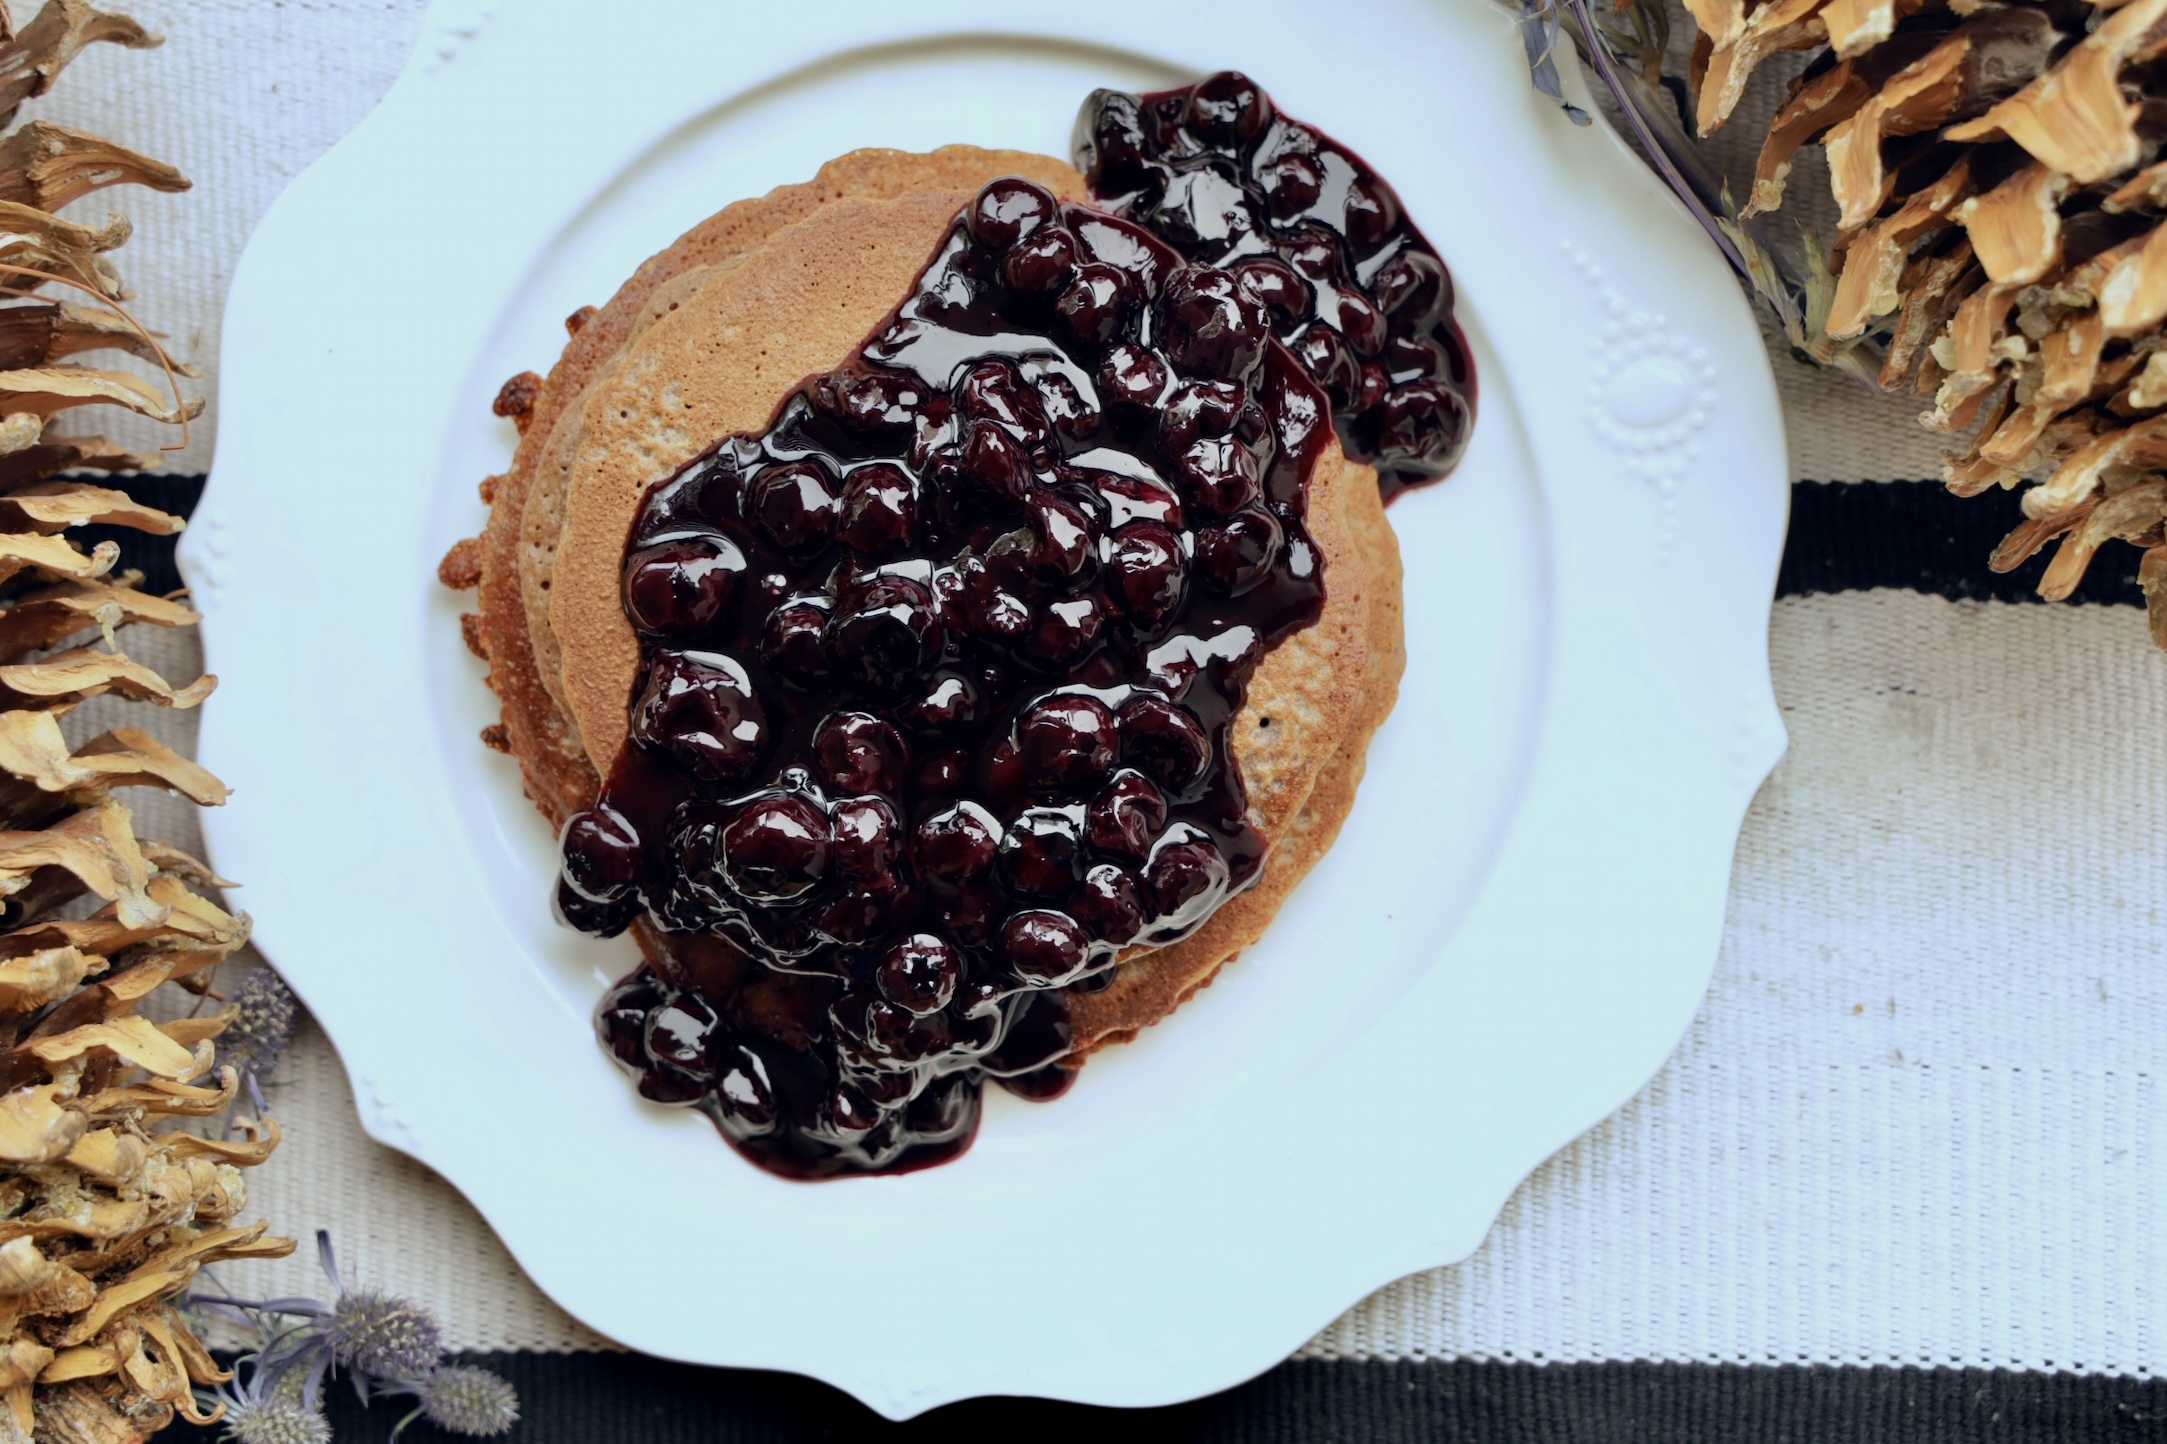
[1314, 236]
[937, 677]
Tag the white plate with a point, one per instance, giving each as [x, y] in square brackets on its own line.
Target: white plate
[1511, 934]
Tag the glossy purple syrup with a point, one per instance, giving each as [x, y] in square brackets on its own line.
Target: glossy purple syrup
[937, 679]
[1318, 238]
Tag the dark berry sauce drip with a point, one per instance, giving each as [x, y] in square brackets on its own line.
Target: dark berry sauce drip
[938, 677]
[1315, 237]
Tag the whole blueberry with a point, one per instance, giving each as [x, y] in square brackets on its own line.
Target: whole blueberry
[678, 1033]
[957, 843]
[1412, 287]
[1136, 498]
[682, 585]
[866, 909]
[1070, 411]
[793, 505]
[1067, 743]
[1184, 881]
[1413, 358]
[1228, 109]
[1066, 631]
[994, 464]
[1277, 287]
[1292, 183]
[1219, 475]
[1197, 410]
[1064, 543]
[871, 400]
[1372, 212]
[1007, 210]
[1361, 323]
[885, 634]
[1164, 742]
[878, 514]
[1421, 423]
[1109, 904]
[699, 708]
[1046, 948]
[793, 640]
[601, 851]
[950, 701]
[1146, 575]
[1132, 376]
[622, 1018]
[1127, 815]
[920, 973]
[1042, 851]
[743, 1091]
[776, 849]
[1236, 554]
[1096, 302]
[1113, 150]
[994, 390]
[859, 752]
[865, 838]
[1040, 263]
[1315, 252]
[1327, 357]
[1209, 326]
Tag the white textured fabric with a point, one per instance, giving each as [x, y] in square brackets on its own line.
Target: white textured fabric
[241, 97]
[1916, 1120]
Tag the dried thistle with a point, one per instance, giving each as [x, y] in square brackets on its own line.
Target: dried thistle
[266, 1011]
[391, 1348]
[464, 1400]
[259, 1411]
[381, 1334]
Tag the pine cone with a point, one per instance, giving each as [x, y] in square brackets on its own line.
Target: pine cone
[2000, 179]
[107, 1206]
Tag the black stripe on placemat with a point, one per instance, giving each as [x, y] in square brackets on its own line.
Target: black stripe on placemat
[629, 1399]
[1850, 535]
[1844, 537]
[150, 555]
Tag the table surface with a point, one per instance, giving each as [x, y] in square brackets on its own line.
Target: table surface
[1916, 1120]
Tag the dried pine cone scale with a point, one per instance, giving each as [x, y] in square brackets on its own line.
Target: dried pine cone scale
[2000, 177]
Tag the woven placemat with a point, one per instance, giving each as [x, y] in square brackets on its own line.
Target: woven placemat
[1916, 1120]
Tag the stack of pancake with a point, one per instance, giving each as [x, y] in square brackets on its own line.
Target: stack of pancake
[704, 341]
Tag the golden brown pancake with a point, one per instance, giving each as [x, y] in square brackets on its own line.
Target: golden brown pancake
[703, 342]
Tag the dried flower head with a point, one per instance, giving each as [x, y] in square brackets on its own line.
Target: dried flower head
[466, 1400]
[383, 1335]
[276, 1421]
[262, 1027]
[390, 1345]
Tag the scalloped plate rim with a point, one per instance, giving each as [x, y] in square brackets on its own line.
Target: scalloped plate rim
[1634, 209]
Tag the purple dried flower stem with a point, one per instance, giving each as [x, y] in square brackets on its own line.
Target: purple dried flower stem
[1539, 38]
[328, 1259]
[1658, 155]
